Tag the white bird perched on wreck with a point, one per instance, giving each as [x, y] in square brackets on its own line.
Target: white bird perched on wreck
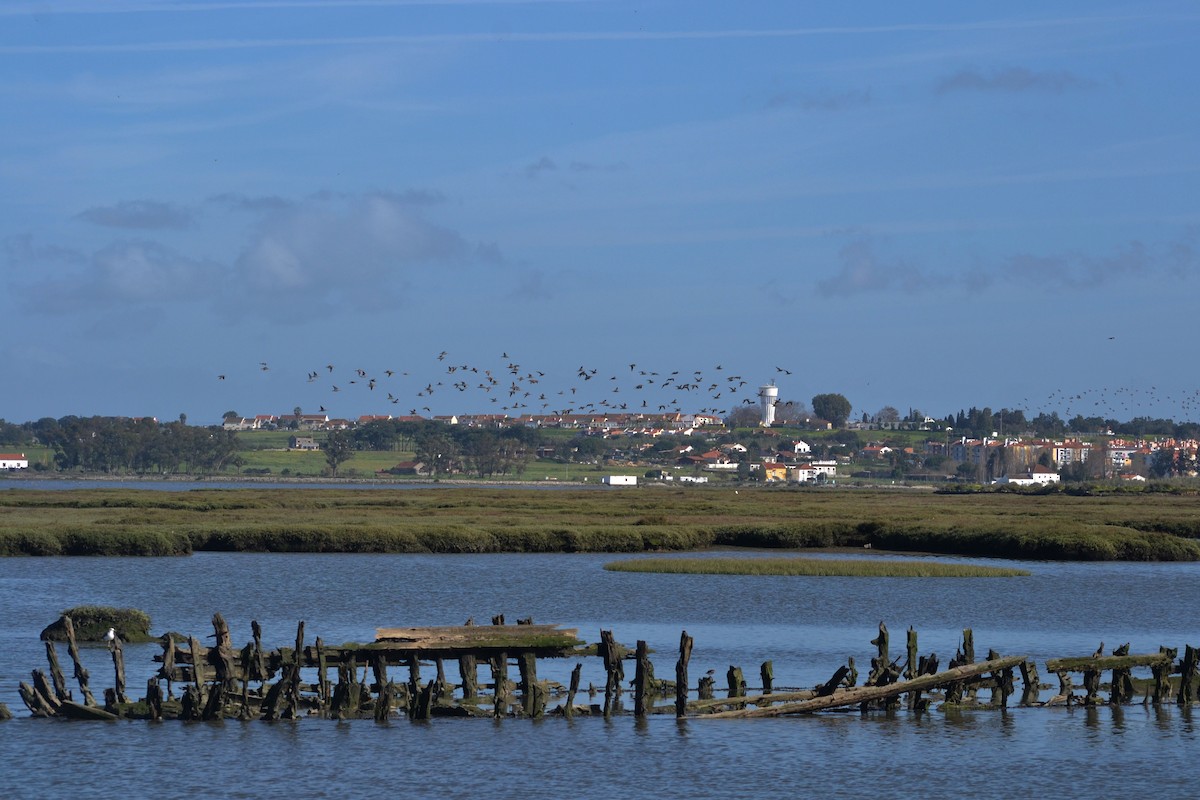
[110, 638]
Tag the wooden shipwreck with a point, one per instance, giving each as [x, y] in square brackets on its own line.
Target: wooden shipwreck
[403, 673]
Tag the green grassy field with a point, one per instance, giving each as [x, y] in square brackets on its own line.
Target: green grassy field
[116, 521]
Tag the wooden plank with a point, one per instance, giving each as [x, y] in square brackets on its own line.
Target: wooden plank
[72, 710]
[1102, 663]
[478, 637]
[866, 694]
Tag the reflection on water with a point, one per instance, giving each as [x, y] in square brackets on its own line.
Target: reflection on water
[806, 626]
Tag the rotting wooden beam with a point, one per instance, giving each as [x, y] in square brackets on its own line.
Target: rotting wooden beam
[81, 673]
[56, 674]
[474, 638]
[865, 694]
[1102, 663]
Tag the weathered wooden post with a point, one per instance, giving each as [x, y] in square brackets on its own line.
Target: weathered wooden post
[154, 699]
[441, 675]
[468, 671]
[969, 658]
[499, 667]
[912, 667]
[882, 659]
[1003, 680]
[383, 705]
[247, 655]
[1065, 688]
[735, 682]
[384, 696]
[681, 674]
[706, 687]
[221, 656]
[569, 709]
[640, 679]
[1187, 674]
[1121, 686]
[527, 665]
[259, 671]
[45, 690]
[81, 673]
[344, 701]
[322, 675]
[167, 670]
[414, 675]
[767, 673]
[608, 652]
[118, 656]
[425, 702]
[1162, 674]
[197, 672]
[190, 705]
[56, 673]
[1091, 685]
[1031, 689]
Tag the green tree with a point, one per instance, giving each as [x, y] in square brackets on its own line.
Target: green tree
[833, 407]
[436, 450]
[338, 450]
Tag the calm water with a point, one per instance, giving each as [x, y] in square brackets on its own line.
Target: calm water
[807, 626]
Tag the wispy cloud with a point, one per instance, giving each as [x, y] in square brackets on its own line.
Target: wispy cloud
[862, 271]
[542, 165]
[353, 251]
[299, 259]
[1012, 79]
[240, 202]
[123, 273]
[138, 214]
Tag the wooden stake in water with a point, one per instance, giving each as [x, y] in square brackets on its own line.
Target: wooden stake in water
[681, 674]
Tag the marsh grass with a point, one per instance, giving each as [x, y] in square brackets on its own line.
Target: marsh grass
[480, 520]
[814, 567]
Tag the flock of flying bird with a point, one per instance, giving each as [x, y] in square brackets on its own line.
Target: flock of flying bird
[516, 390]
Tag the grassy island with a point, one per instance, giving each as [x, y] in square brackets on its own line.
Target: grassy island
[100, 521]
[813, 567]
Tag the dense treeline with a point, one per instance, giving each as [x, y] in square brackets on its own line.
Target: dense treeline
[121, 444]
[979, 422]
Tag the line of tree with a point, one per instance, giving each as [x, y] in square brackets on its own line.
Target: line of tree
[979, 422]
[445, 449]
[121, 445]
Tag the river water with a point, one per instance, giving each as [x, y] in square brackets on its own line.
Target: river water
[806, 626]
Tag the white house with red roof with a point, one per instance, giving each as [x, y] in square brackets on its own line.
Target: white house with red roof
[12, 461]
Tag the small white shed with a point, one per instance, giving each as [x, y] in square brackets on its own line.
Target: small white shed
[619, 480]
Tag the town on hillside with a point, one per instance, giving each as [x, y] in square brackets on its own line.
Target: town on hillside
[753, 444]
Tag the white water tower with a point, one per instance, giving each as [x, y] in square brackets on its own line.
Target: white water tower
[768, 396]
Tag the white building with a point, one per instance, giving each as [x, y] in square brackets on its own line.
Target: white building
[13, 461]
[619, 480]
[1038, 476]
[768, 396]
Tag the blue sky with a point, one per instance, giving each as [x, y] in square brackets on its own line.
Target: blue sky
[929, 205]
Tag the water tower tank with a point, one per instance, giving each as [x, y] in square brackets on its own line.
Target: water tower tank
[768, 396]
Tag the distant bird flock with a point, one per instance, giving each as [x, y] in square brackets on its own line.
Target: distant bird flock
[516, 390]
[510, 388]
